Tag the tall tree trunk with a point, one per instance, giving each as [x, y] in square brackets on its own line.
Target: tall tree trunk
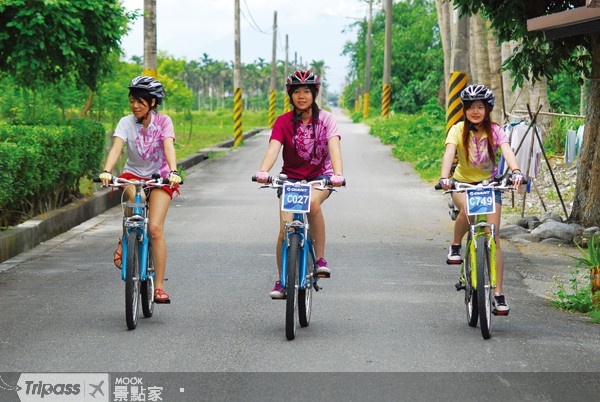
[150, 63]
[88, 105]
[479, 46]
[444, 21]
[586, 205]
[460, 41]
[516, 98]
[495, 62]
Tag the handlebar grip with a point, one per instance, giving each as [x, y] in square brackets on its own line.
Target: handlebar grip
[269, 181]
[438, 186]
[96, 180]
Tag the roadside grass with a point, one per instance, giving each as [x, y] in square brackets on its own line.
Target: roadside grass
[416, 139]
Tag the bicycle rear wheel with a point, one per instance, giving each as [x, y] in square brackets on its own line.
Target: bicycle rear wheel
[470, 293]
[484, 288]
[147, 286]
[305, 294]
[132, 282]
[291, 286]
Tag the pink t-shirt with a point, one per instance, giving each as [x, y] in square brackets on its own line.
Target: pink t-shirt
[145, 147]
[304, 156]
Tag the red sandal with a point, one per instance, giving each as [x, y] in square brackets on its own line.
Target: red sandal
[117, 258]
[161, 297]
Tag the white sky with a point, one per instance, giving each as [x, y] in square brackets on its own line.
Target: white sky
[189, 28]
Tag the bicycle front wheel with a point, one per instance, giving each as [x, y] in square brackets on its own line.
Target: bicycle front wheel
[305, 294]
[132, 281]
[470, 293]
[147, 286]
[484, 288]
[291, 286]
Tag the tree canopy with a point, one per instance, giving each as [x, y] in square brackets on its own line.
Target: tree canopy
[44, 41]
[536, 56]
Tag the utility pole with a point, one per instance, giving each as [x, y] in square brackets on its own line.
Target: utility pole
[237, 80]
[386, 96]
[458, 70]
[273, 90]
[286, 100]
[368, 63]
[150, 65]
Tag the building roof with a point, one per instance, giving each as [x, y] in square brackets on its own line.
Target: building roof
[580, 20]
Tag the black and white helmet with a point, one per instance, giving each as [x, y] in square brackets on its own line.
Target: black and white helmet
[477, 92]
[150, 84]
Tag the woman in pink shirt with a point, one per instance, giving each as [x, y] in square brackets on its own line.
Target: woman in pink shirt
[148, 137]
[309, 141]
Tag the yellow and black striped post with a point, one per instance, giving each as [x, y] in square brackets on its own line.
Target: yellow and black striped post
[454, 113]
[386, 98]
[237, 117]
[286, 103]
[367, 100]
[272, 98]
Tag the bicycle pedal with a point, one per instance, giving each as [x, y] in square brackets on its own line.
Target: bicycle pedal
[460, 286]
[502, 313]
[323, 275]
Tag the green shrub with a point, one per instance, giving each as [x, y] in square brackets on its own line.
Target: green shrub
[41, 166]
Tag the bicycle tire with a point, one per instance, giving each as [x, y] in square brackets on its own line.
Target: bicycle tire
[471, 306]
[132, 283]
[305, 294]
[484, 289]
[291, 288]
[147, 286]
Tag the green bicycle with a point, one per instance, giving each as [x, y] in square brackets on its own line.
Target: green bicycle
[478, 271]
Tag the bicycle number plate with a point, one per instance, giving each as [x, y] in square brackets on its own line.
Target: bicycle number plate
[480, 201]
[296, 197]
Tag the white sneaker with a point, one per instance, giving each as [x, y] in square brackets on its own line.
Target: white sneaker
[454, 255]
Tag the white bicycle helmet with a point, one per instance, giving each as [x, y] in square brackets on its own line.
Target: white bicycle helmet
[477, 92]
[150, 84]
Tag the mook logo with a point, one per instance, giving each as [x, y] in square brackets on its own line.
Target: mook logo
[63, 387]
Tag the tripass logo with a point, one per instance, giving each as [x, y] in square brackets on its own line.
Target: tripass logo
[6, 387]
[63, 387]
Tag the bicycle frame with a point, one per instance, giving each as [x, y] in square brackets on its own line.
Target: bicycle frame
[478, 229]
[299, 225]
[137, 221]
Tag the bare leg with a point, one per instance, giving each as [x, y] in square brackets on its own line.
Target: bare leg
[159, 205]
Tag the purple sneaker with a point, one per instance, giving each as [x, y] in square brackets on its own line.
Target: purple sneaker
[322, 267]
[278, 291]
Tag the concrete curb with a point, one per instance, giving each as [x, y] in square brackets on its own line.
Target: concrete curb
[43, 227]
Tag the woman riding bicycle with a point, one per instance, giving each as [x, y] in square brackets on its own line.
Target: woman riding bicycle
[311, 151]
[475, 143]
[149, 137]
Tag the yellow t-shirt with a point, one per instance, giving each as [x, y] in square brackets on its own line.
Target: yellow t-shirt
[478, 166]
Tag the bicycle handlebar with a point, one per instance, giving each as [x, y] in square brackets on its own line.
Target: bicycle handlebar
[120, 182]
[279, 181]
[503, 184]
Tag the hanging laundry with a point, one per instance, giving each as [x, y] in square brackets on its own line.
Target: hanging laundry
[521, 138]
[570, 147]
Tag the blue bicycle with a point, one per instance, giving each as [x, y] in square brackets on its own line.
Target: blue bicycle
[137, 267]
[298, 268]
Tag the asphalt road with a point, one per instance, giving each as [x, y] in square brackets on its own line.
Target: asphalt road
[389, 308]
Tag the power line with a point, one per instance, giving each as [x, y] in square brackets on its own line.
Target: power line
[252, 22]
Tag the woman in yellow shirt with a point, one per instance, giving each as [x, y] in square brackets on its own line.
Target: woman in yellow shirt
[476, 141]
